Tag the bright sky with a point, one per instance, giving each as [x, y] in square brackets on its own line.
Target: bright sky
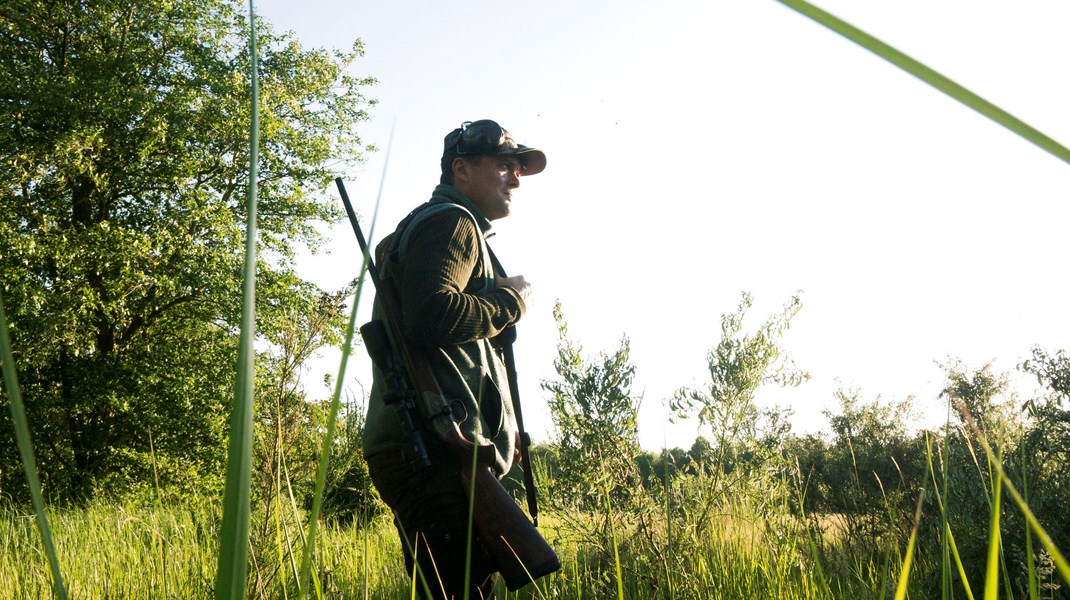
[700, 148]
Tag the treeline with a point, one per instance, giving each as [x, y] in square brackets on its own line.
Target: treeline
[859, 491]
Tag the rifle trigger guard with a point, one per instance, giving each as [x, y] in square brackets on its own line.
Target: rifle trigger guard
[457, 411]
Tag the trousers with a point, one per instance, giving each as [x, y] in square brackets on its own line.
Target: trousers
[431, 511]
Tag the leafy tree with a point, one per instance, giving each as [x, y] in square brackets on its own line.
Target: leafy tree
[810, 454]
[975, 395]
[124, 129]
[1045, 453]
[597, 485]
[702, 454]
[980, 405]
[873, 470]
[1050, 411]
[659, 469]
[595, 419]
[289, 424]
[744, 434]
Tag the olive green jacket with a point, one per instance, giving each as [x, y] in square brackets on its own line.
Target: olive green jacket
[440, 265]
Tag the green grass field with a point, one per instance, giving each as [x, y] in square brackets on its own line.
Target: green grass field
[111, 551]
[708, 537]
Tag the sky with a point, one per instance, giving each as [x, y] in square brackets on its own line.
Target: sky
[700, 149]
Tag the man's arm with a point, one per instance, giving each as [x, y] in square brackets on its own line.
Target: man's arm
[517, 283]
[440, 258]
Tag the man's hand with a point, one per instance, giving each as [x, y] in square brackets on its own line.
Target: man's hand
[518, 283]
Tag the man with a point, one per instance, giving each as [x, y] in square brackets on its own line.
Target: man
[454, 302]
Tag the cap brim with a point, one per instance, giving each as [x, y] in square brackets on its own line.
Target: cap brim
[532, 160]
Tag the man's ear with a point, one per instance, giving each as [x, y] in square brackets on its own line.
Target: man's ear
[460, 170]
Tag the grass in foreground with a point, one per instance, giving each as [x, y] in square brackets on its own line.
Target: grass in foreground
[112, 551]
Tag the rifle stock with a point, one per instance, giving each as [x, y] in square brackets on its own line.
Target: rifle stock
[521, 553]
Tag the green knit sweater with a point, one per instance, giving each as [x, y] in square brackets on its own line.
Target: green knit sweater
[451, 311]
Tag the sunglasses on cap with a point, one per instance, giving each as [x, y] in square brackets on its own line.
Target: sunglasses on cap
[480, 137]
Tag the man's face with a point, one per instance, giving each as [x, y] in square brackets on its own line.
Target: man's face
[489, 183]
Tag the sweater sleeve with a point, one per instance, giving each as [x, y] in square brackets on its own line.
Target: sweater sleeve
[439, 288]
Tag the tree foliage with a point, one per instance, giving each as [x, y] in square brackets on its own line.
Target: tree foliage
[124, 136]
[873, 472]
[744, 433]
[872, 467]
[852, 491]
[595, 416]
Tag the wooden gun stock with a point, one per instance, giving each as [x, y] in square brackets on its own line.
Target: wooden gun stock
[521, 553]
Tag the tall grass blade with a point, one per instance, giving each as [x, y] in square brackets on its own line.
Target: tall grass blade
[931, 77]
[947, 542]
[948, 546]
[616, 550]
[29, 464]
[336, 398]
[992, 563]
[234, 533]
[669, 580]
[1031, 570]
[471, 511]
[904, 572]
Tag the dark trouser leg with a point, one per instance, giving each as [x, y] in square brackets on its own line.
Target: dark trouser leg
[431, 514]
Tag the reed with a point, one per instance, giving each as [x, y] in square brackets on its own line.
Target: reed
[29, 463]
[234, 544]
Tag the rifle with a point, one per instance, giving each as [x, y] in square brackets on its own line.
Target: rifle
[521, 553]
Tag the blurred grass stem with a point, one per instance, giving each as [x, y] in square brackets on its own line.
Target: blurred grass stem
[930, 76]
[234, 535]
[29, 464]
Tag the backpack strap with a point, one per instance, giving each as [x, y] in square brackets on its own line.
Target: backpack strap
[405, 231]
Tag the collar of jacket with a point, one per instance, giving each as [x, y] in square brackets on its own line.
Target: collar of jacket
[447, 193]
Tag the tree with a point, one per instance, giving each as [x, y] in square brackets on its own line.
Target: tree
[872, 469]
[598, 485]
[702, 455]
[739, 365]
[289, 424]
[124, 128]
[974, 396]
[1045, 453]
[595, 419]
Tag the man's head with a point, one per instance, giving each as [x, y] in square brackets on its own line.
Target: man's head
[475, 139]
[481, 160]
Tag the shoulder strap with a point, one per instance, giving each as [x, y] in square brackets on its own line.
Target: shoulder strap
[404, 232]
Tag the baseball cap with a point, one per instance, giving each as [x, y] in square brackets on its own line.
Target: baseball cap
[487, 138]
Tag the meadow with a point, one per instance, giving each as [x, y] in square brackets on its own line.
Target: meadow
[682, 531]
[872, 510]
[112, 551]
